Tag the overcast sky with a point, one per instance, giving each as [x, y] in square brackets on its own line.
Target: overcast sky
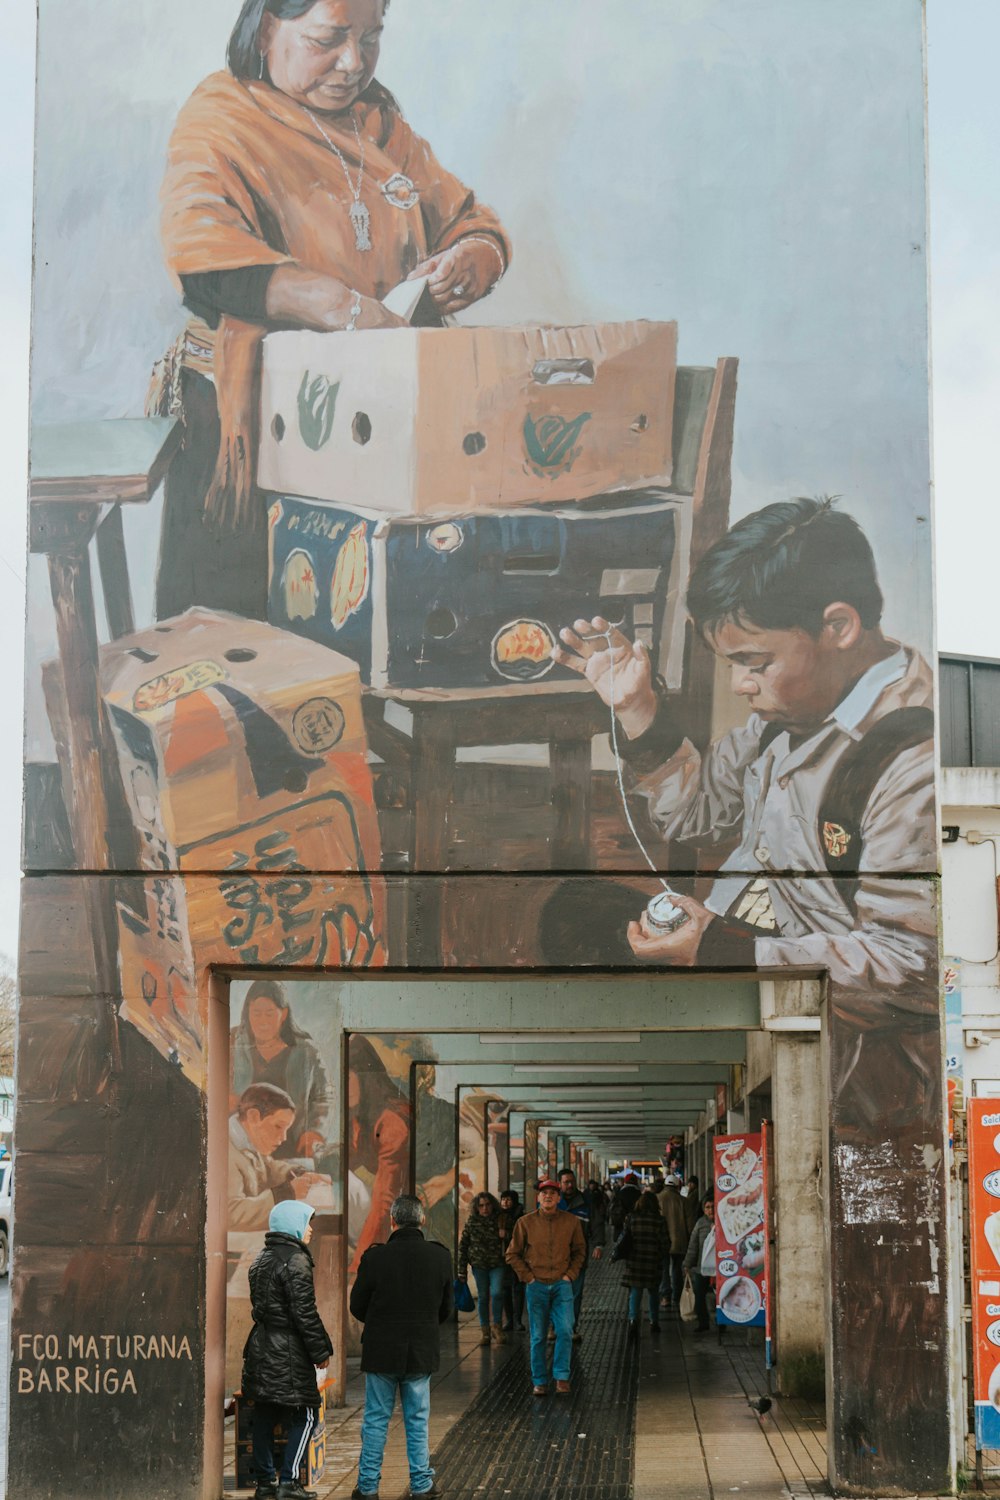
[964, 43]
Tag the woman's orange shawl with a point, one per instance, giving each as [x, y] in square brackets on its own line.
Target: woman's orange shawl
[250, 181]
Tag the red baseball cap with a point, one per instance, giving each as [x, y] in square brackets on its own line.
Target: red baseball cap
[548, 1183]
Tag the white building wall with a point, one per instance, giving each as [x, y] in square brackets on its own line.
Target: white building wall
[971, 802]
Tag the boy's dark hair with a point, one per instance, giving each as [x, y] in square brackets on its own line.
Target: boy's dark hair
[265, 1098]
[780, 567]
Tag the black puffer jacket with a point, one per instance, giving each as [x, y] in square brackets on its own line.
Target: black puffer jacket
[288, 1339]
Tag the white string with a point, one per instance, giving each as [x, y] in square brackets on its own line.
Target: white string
[619, 769]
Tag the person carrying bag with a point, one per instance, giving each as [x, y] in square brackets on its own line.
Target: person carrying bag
[699, 1262]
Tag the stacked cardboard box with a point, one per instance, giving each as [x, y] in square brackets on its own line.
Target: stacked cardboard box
[242, 753]
[444, 499]
[313, 1464]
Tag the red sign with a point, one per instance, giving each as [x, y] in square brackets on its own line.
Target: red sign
[720, 1101]
[984, 1263]
[741, 1287]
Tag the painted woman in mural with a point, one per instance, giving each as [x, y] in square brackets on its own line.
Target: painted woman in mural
[268, 1047]
[833, 770]
[296, 196]
[378, 1140]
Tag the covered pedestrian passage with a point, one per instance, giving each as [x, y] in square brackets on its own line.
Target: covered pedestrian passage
[668, 1420]
[499, 1082]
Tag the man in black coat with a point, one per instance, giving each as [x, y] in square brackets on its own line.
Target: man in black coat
[402, 1294]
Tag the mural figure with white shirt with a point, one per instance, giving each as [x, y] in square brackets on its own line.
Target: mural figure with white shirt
[831, 775]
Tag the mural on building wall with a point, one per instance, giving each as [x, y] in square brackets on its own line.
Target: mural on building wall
[498, 1145]
[372, 612]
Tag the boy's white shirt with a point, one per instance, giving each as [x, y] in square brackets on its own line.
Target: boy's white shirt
[769, 803]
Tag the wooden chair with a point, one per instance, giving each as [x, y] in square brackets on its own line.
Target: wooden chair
[566, 720]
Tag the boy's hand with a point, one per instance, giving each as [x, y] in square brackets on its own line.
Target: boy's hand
[679, 948]
[592, 654]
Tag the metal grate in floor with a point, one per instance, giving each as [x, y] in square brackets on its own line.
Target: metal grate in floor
[579, 1447]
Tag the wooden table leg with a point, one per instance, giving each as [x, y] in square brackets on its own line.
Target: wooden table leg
[431, 790]
[113, 564]
[73, 598]
[569, 762]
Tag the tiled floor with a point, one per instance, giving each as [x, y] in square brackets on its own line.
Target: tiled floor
[669, 1419]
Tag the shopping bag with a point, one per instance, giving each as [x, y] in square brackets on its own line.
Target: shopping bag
[464, 1300]
[686, 1307]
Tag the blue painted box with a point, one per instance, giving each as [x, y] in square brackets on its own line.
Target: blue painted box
[477, 601]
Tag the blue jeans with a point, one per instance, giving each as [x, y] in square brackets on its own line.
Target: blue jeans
[652, 1302]
[380, 1398]
[489, 1290]
[550, 1301]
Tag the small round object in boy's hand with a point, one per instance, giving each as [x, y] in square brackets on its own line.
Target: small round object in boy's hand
[663, 916]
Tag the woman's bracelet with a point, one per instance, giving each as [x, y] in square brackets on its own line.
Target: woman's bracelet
[352, 326]
[482, 239]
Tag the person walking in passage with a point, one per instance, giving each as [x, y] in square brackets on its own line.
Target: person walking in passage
[286, 1348]
[648, 1240]
[481, 1247]
[572, 1201]
[671, 1206]
[699, 1262]
[692, 1203]
[625, 1198]
[598, 1204]
[402, 1294]
[547, 1251]
[511, 1209]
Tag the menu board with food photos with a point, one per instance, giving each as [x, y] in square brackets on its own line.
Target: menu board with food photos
[741, 1286]
[983, 1124]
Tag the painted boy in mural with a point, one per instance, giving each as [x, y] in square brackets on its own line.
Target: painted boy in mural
[833, 772]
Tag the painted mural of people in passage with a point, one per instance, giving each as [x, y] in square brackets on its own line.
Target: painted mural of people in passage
[833, 770]
[379, 1139]
[268, 1047]
[296, 196]
[257, 1180]
[436, 1167]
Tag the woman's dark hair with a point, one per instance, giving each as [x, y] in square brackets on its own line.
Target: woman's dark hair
[494, 1205]
[269, 989]
[779, 568]
[647, 1204]
[243, 52]
[376, 1085]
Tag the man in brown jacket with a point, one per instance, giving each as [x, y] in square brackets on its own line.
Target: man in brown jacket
[672, 1208]
[547, 1252]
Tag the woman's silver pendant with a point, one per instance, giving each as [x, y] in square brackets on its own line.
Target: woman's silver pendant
[361, 219]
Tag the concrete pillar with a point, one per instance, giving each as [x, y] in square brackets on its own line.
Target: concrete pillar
[799, 1121]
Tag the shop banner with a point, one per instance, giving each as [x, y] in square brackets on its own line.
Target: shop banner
[983, 1123]
[740, 1231]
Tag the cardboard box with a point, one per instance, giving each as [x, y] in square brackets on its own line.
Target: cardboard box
[313, 1464]
[157, 969]
[437, 422]
[240, 747]
[242, 752]
[478, 601]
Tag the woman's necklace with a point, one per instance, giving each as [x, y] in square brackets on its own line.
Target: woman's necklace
[360, 217]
